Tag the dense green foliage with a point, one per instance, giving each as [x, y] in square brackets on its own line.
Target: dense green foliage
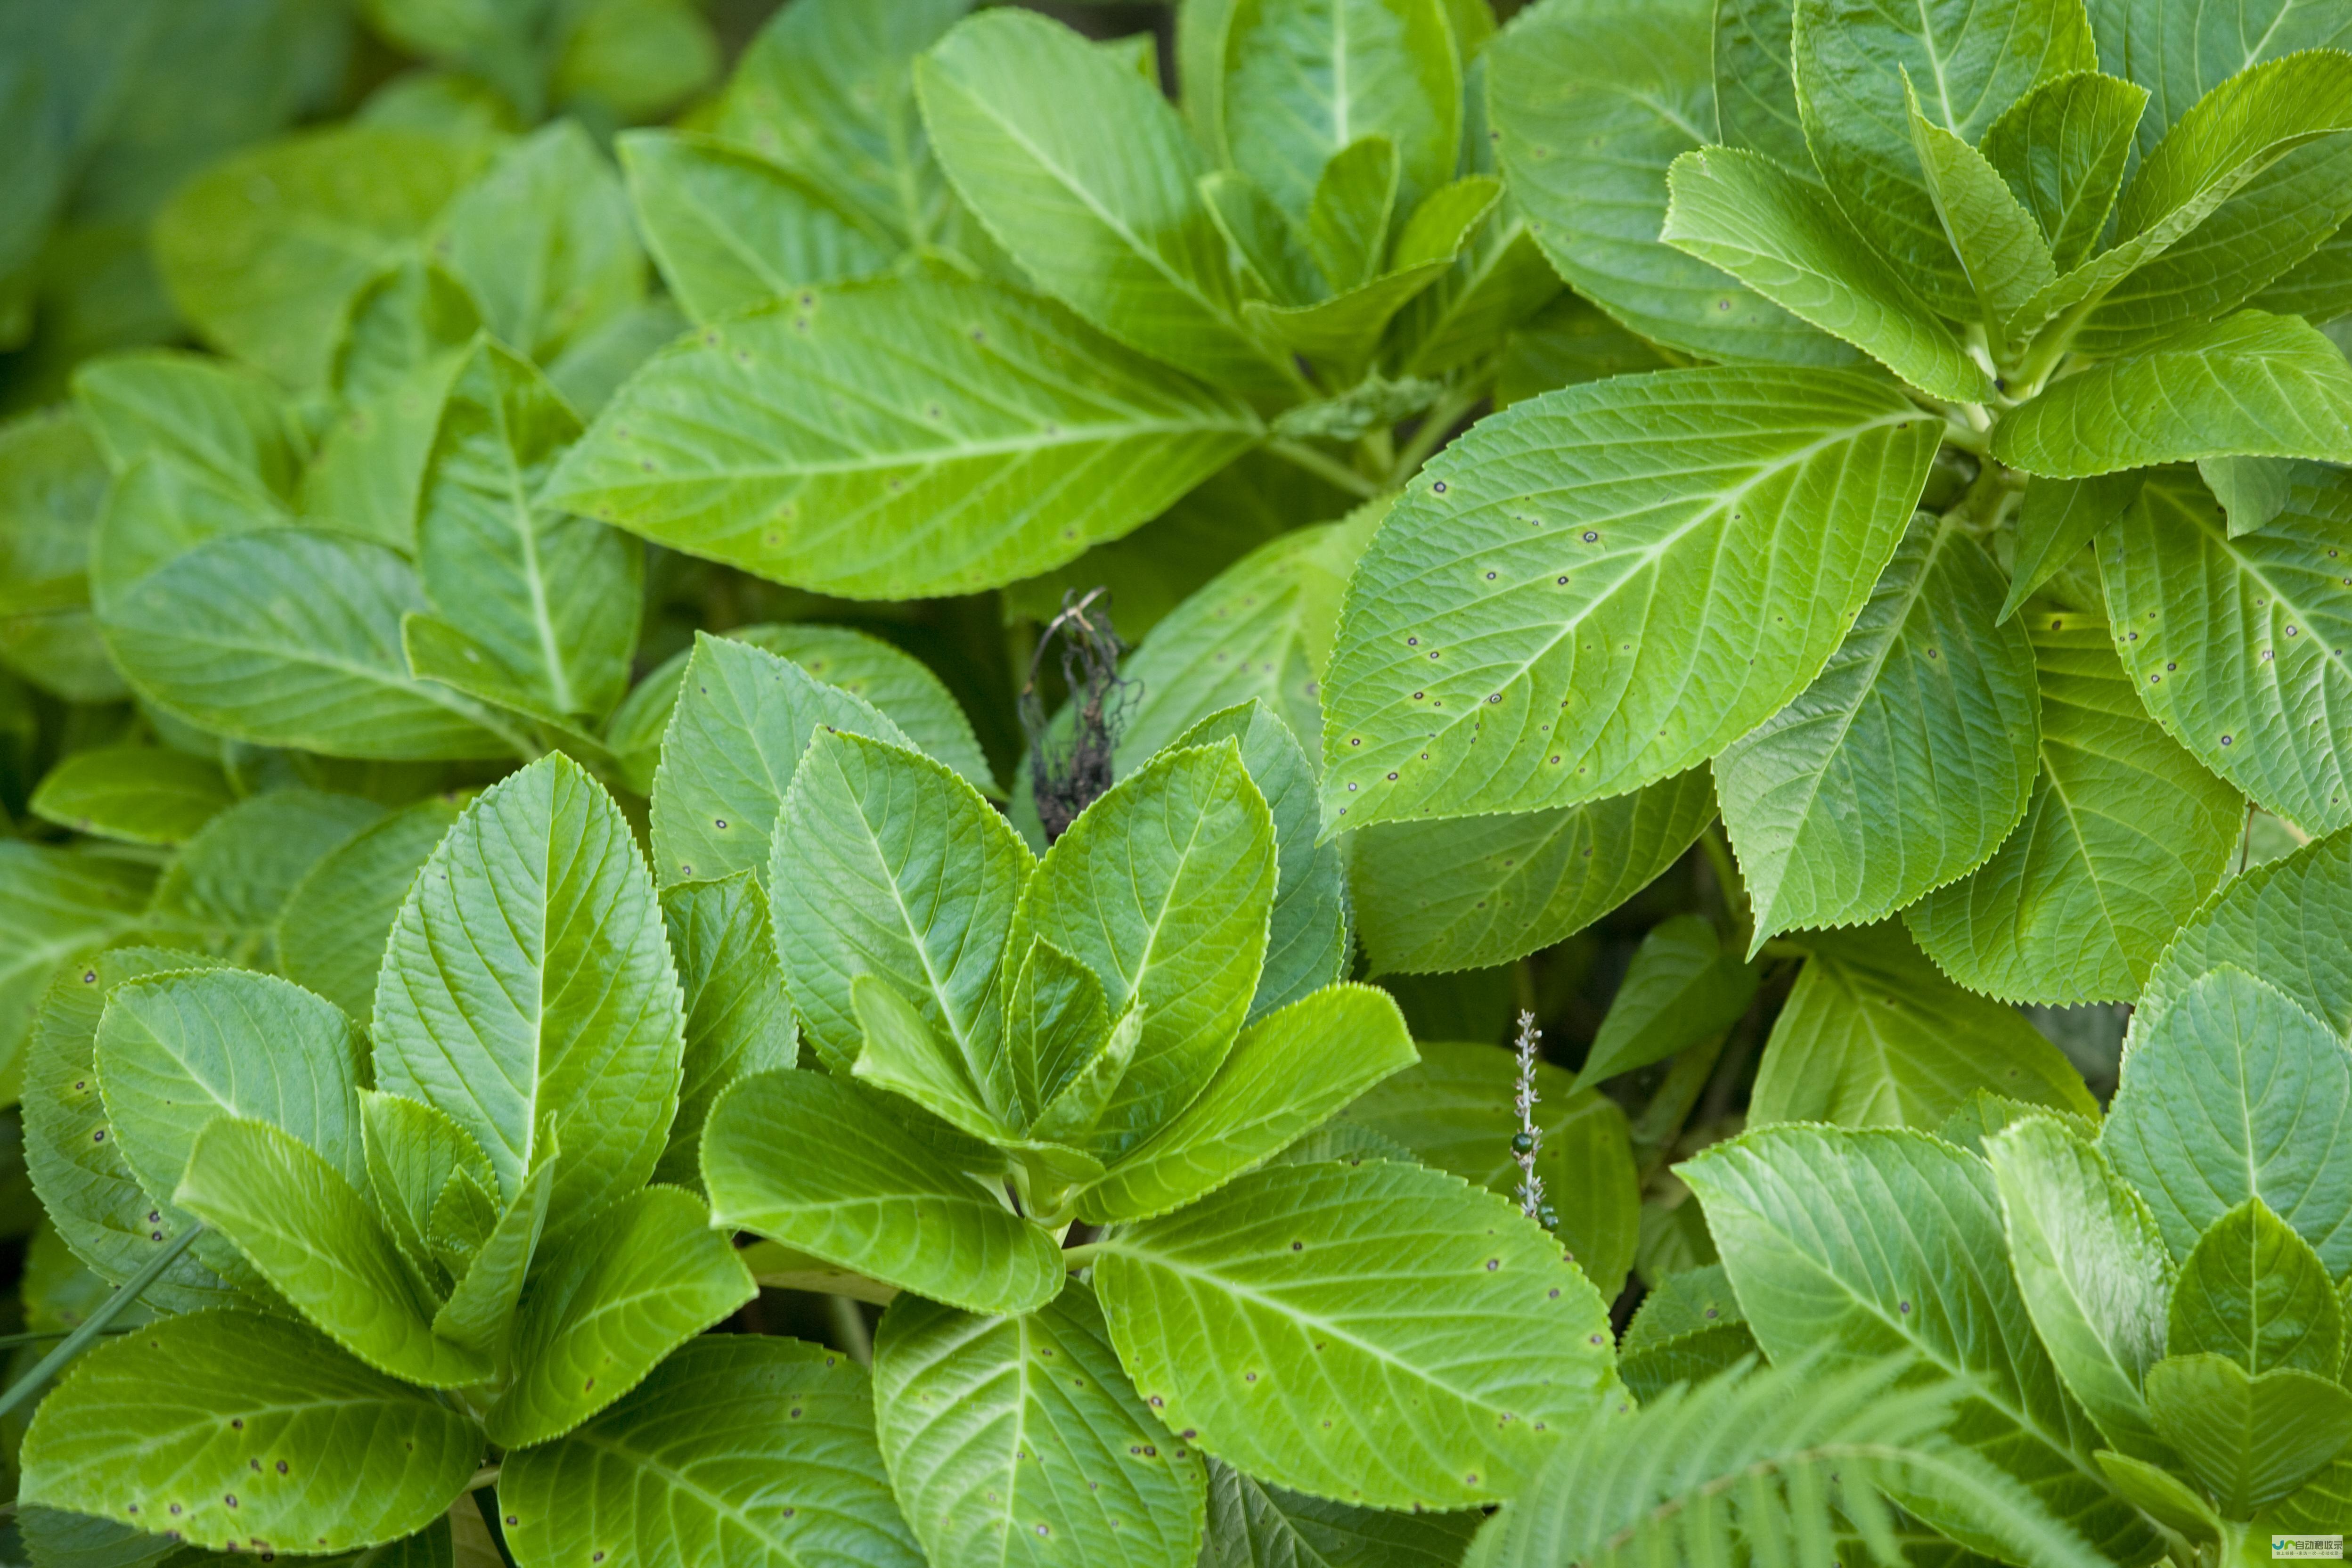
[1708, 922]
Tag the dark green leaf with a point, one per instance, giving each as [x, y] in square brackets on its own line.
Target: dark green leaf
[1873, 1035]
[1531, 625]
[1681, 987]
[1306, 1293]
[1082, 172]
[1592, 101]
[909, 435]
[1020, 1440]
[196, 1414]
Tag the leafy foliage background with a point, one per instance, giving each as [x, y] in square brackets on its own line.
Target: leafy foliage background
[781, 784]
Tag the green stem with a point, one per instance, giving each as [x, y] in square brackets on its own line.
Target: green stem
[1430, 434]
[14, 1341]
[1080, 1257]
[1330, 470]
[849, 1328]
[109, 1309]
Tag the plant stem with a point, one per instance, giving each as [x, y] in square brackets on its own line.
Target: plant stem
[849, 1328]
[1430, 433]
[487, 1476]
[109, 1309]
[1080, 1257]
[1328, 468]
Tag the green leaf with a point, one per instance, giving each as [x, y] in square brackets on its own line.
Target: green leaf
[1572, 593]
[2161, 1495]
[141, 794]
[1055, 1016]
[52, 480]
[2253, 1290]
[1306, 934]
[1163, 887]
[228, 886]
[886, 864]
[1861, 1245]
[1077, 1105]
[70, 1150]
[1254, 1525]
[414, 1153]
[731, 229]
[333, 924]
[2253, 490]
[1249, 1316]
[1784, 238]
[1681, 987]
[2062, 148]
[307, 1230]
[2252, 384]
[1873, 1035]
[413, 314]
[176, 1051]
[2286, 920]
[738, 1009]
[1260, 629]
[1082, 170]
[608, 1305]
[2055, 522]
[2283, 215]
[1472, 892]
[738, 1448]
[592, 369]
[2221, 1093]
[1970, 62]
[1021, 1440]
[1273, 251]
[290, 637]
[2001, 247]
[490, 1250]
[196, 1413]
[836, 441]
[1751, 1461]
[552, 601]
[2236, 133]
[1499, 281]
[1288, 1071]
[221, 420]
[55, 905]
[2250, 1440]
[2092, 1266]
[1304, 79]
[2246, 633]
[1342, 331]
[1592, 101]
[902, 1054]
[263, 250]
[733, 744]
[1454, 1111]
[1688, 1328]
[2178, 60]
[2122, 838]
[545, 243]
[1755, 85]
[2312, 1507]
[1906, 762]
[825, 90]
[528, 983]
[815, 1164]
[1984, 1113]
[900, 685]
